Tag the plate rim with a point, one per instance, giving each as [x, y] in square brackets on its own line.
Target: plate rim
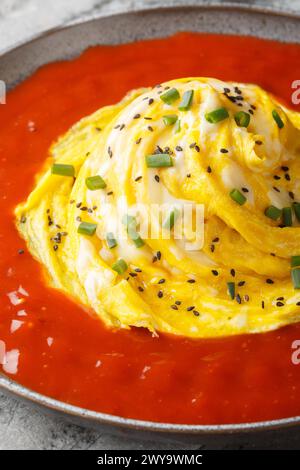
[16, 389]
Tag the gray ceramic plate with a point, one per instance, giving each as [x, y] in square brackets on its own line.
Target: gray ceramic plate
[66, 42]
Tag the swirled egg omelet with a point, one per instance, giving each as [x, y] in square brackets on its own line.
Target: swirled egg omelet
[230, 148]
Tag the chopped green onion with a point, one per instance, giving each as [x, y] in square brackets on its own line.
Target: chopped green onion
[295, 261]
[129, 221]
[295, 273]
[170, 95]
[62, 169]
[217, 115]
[242, 119]
[95, 182]
[170, 119]
[277, 119]
[273, 212]
[159, 160]
[186, 101]
[296, 207]
[171, 219]
[237, 196]
[131, 225]
[86, 228]
[177, 127]
[287, 216]
[120, 266]
[111, 241]
[231, 289]
[137, 240]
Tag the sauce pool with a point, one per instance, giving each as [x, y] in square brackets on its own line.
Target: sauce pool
[63, 352]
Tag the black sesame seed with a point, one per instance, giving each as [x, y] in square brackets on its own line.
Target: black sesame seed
[208, 169]
[223, 150]
[262, 304]
[161, 281]
[287, 177]
[238, 299]
[138, 270]
[174, 307]
[191, 281]
[241, 283]
[188, 175]
[215, 240]
[138, 141]
[55, 247]
[21, 251]
[140, 289]
[246, 298]
[232, 272]
[151, 101]
[291, 194]
[245, 190]
[136, 116]
[279, 304]
[178, 148]
[285, 168]
[196, 313]
[212, 248]
[276, 177]
[156, 177]
[189, 309]
[138, 178]
[269, 281]
[276, 189]
[158, 254]
[178, 302]
[160, 294]
[215, 272]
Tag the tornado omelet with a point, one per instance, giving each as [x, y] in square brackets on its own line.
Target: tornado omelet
[230, 147]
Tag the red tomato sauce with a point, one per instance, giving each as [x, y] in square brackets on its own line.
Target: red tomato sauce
[129, 373]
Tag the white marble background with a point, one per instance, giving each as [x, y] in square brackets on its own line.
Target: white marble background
[22, 427]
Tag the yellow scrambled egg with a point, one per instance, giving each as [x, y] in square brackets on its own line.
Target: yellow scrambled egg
[227, 146]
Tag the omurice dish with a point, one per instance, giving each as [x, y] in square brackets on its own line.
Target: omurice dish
[231, 148]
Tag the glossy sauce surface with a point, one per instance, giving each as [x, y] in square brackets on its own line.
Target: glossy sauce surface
[62, 351]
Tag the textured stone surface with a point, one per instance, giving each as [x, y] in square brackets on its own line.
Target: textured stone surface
[22, 427]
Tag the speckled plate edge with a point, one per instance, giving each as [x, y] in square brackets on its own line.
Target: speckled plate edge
[97, 418]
